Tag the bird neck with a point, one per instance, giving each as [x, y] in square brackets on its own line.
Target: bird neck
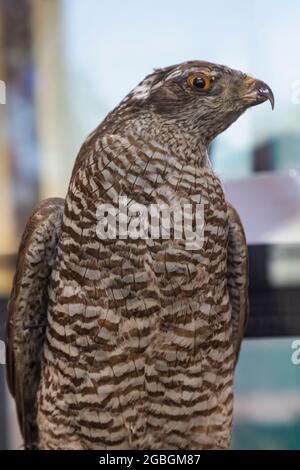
[174, 136]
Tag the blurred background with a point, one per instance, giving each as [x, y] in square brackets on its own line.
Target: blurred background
[65, 63]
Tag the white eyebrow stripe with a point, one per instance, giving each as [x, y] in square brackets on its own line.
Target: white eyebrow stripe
[142, 91]
[176, 73]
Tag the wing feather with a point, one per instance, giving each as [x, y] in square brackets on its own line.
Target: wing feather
[237, 280]
[27, 311]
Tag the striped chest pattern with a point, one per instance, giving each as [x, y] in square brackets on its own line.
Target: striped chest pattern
[139, 330]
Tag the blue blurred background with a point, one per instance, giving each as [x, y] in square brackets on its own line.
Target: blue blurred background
[66, 63]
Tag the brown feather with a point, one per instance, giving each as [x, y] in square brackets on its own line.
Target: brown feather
[27, 312]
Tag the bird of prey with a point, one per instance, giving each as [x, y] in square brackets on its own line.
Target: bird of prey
[131, 343]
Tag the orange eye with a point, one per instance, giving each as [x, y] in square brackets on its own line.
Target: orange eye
[199, 82]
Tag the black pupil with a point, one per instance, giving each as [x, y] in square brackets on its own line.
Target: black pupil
[199, 82]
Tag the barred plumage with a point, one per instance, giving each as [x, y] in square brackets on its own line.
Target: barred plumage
[142, 335]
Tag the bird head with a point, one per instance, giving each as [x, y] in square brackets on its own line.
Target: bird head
[200, 97]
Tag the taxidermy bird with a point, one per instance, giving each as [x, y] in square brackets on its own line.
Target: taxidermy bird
[123, 343]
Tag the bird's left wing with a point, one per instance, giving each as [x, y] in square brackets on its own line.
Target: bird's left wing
[237, 277]
[27, 311]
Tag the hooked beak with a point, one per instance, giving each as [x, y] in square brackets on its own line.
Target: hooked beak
[257, 92]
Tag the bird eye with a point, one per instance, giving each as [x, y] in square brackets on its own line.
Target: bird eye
[199, 82]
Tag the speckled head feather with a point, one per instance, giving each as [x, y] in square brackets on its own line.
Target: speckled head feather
[166, 98]
[167, 93]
